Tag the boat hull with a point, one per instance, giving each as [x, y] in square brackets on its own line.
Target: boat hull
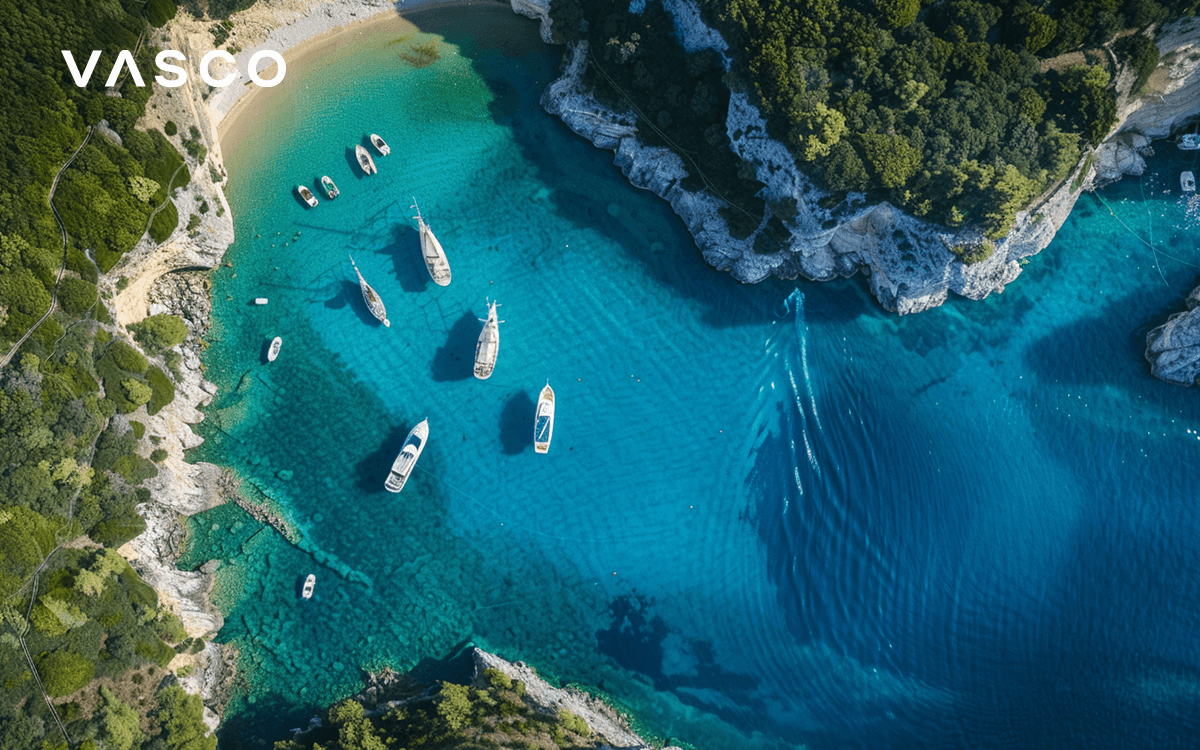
[273, 352]
[488, 346]
[331, 190]
[310, 583]
[365, 162]
[435, 258]
[380, 145]
[406, 460]
[543, 421]
[307, 196]
[1187, 181]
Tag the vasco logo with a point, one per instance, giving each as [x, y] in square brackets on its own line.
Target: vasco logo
[125, 59]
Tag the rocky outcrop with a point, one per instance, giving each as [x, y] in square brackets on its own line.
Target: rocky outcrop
[908, 260]
[1174, 347]
[600, 717]
[537, 9]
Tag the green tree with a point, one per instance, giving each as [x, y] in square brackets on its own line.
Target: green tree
[115, 725]
[453, 706]
[897, 13]
[64, 672]
[892, 158]
[136, 392]
[159, 332]
[181, 718]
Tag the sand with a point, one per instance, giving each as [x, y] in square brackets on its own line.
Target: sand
[303, 32]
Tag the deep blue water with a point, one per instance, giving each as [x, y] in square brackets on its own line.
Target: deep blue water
[771, 515]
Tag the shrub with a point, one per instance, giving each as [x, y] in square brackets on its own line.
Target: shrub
[170, 128]
[573, 722]
[158, 12]
[139, 429]
[157, 455]
[162, 390]
[159, 332]
[76, 295]
[1140, 53]
[164, 222]
[64, 672]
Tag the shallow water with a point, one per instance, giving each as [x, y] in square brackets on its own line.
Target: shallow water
[767, 517]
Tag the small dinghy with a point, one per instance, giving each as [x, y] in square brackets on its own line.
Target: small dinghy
[1187, 181]
[364, 160]
[403, 465]
[273, 352]
[488, 345]
[1189, 142]
[309, 584]
[543, 421]
[327, 185]
[380, 145]
[307, 195]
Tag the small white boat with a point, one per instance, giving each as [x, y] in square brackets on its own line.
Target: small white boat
[431, 250]
[1190, 141]
[374, 304]
[273, 352]
[1187, 181]
[380, 145]
[330, 189]
[488, 346]
[404, 463]
[307, 195]
[260, 300]
[543, 422]
[364, 160]
[309, 584]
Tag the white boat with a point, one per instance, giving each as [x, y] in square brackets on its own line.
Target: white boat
[1187, 181]
[488, 346]
[1190, 141]
[327, 185]
[260, 300]
[431, 249]
[307, 195]
[374, 304]
[380, 145]
[404, 463]
[543, 422]
[364, 160]
[273, 352]
[309, 584]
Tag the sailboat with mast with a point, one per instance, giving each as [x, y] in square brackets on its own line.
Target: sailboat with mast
[374, 304]
[543, 420]
[489, 345]
[431, 249]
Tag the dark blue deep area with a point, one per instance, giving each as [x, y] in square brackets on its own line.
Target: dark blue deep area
[771, 515]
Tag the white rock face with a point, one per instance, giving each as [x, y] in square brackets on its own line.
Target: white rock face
[908, 259]
[539, 9]
[1174, 347]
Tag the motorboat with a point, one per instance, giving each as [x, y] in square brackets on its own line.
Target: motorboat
[403, 465]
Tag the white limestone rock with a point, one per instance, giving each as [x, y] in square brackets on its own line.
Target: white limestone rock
[1174, 347]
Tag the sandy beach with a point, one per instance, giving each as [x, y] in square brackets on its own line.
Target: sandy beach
[304, 34]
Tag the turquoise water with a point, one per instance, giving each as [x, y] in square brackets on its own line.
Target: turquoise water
[768, 516]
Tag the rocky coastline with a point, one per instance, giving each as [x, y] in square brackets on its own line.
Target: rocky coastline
[908, 260]
[1173, 348]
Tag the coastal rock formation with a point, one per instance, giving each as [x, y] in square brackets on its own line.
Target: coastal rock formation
[537, 9]
[908, 260]
[1174, 347]
[600, 717]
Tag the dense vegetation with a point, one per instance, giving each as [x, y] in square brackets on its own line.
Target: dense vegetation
[492, 714]
[945, 108]
[70, 468]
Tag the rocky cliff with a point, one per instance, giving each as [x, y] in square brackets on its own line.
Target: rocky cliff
[908, 260]
[1174, 347]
